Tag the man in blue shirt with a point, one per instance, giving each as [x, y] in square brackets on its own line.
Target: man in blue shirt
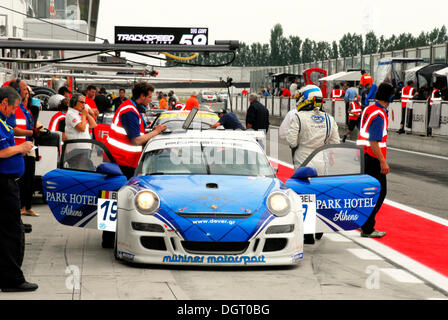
[368, 94]
[11, 227]
[228, 121]
[350, 95]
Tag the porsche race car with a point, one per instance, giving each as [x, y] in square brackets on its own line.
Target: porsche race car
[210, 198]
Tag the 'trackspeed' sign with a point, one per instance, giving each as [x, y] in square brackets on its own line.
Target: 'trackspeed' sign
[159, 35]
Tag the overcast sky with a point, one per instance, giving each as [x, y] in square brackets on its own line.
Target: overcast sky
[251, 21]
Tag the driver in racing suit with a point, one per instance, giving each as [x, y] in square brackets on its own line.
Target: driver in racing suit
[310, 128]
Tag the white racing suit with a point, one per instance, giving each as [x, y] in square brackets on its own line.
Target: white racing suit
[308, 131]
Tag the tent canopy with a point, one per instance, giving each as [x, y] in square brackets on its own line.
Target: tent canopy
[442, 72]
[343, 76]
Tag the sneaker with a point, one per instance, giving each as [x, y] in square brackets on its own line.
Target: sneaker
[375, 234]
[344, 138]
[401, 131]
[26, 286]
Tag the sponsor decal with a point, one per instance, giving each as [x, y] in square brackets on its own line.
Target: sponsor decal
[345, 203]
[317, 119]
[168, 36]
[214, 221]
[214, 259]
[68, 211]
[126, 255]
[296, 257]
[71, 198]
[345, 217]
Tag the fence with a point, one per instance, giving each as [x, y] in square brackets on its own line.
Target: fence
[420, 114]
[429, 54]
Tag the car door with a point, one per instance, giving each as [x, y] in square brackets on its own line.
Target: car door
[86, 170]
[332, 182]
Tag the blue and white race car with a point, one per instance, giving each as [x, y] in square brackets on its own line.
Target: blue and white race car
[210, 198]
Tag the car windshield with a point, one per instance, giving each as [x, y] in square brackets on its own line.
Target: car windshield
[206, 159]
[177, 124]
[208, 93]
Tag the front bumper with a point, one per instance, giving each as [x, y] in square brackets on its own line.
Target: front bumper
[169, 247]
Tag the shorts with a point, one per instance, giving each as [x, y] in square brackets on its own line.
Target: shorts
[352, 124]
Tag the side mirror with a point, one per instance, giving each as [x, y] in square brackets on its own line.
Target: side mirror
[109, 169]
[304, 173]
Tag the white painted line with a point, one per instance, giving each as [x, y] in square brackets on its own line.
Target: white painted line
[336, 237]
[412, 152]
[400, 275]
[433, 277]
[417, 212]
[364, 254]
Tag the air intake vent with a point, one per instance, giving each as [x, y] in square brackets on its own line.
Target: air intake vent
[209, 247]
[211, 186]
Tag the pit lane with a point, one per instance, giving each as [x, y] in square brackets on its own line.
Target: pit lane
[334, 268]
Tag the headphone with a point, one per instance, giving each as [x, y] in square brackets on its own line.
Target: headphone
[18, 85]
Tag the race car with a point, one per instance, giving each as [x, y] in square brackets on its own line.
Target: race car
[175, 119]
[210, 198]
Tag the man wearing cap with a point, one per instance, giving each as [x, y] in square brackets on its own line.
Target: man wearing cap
[373, 137]
[12, 168]
[228, 121]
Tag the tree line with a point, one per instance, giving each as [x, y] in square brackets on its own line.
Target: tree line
[290, 50]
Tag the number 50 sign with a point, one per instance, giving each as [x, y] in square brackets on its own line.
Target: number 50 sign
[107, 213]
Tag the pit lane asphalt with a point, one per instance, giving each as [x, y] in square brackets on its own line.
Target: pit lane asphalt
[333, 268]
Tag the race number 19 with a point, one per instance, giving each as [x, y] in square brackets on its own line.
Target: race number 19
[107, 213]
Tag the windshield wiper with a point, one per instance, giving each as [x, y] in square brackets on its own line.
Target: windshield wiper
[205, 159]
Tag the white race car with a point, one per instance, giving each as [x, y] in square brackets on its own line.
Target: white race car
[211, 198]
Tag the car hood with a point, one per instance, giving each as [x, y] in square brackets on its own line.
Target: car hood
[209, 193]
[234, 211]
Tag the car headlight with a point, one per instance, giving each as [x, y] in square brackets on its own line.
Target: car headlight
[278, 204]
[147, 202]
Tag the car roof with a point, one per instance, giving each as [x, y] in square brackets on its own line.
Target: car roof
[222, 135]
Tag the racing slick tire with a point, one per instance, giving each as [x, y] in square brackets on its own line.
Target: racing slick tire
[43, 94]
[319, 235]
[108, 240]
[115, 249]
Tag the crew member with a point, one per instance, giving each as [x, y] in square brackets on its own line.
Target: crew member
[12, 167]
[192, 102]
[310, 128]
[22, 122]
[407, 93]
[353, 116]
[365, 78]
[127, 134]
[90, 96]
[119, 100]
[373, 137]
[127, 137]
[57, 121]
[337, 93]
[228, 120]
[433, 96]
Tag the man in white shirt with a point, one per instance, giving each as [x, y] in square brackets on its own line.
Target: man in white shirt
[293, 88]
[78, 121]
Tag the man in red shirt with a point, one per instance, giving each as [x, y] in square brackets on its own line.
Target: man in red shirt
[192, 102]
[244, 92]
[90, 96]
